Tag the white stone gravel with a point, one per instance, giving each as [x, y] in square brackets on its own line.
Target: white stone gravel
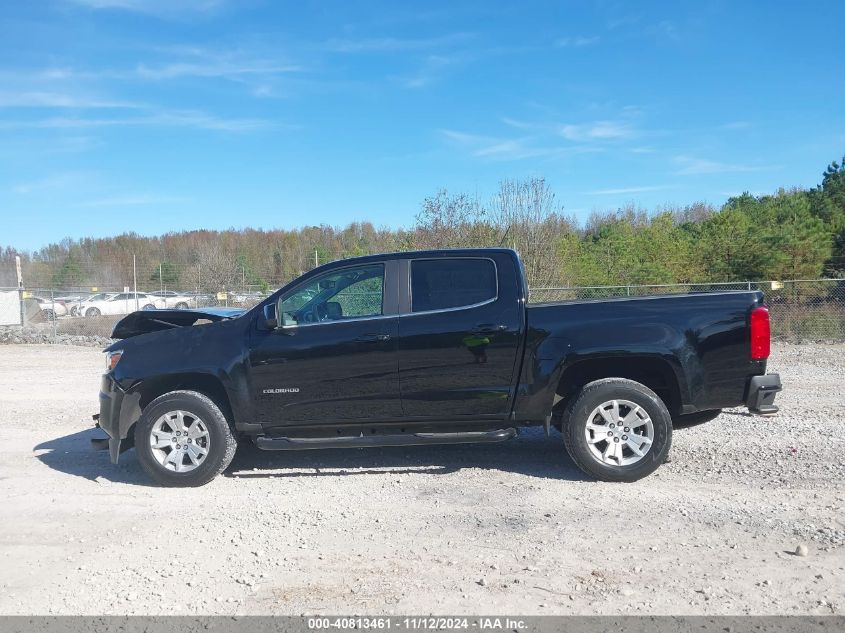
[509, 528]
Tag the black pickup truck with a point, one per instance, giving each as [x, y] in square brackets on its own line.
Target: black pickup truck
[432, 347]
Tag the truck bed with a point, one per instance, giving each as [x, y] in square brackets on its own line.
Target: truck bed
[701, 338]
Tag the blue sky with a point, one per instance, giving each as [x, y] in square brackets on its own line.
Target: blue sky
[159, 115]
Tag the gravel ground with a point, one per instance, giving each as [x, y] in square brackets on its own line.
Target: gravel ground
[508, 528]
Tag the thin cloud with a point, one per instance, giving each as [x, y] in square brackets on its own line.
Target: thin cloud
[576, 42]
[626, 190]
[623, 21]
[392, 44]
[58, 100]
[664, 29]
[230, 69]
[496, 148]
[592, 132]
[691, 166]
[519, 124]
[54, 181]
[160, 8]
[598, 131]
[735, 125]
[131, 200]
[186, 118]
[431, 71]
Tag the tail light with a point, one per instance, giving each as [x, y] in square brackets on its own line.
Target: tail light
[760, 334]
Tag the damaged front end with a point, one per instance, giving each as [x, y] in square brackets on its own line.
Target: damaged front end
[118, 412]
[147, 321]
[120, 399]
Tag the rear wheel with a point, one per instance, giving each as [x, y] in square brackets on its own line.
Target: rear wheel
[181, 306]
[617, 430]
[92, 312]
[148, 306]
[183, 439]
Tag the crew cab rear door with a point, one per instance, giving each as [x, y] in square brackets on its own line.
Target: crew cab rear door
[459, 336]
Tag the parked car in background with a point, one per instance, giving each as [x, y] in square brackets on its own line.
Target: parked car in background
[122, 303]
[173, 299]
[50, 308]
[71, 299]
[246, 298]
[201, 299]
[100, 296]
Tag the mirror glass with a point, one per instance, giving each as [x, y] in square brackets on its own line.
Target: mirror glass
[270, 318]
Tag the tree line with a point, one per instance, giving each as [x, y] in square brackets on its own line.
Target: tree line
[789, 234]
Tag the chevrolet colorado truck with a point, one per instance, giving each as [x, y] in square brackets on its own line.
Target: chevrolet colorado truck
[432, 347]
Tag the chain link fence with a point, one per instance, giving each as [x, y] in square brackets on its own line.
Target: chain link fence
[802, 310]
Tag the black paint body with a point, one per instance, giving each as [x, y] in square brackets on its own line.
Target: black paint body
[500, 362]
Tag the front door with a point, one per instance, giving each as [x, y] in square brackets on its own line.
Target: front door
[334, 358]
[460, 340]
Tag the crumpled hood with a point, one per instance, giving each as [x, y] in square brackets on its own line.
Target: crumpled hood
[146, 321]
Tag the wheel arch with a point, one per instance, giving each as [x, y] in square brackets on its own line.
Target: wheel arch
[205, 383]
[653, 371]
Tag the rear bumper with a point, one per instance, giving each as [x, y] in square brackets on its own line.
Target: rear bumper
[761, 393]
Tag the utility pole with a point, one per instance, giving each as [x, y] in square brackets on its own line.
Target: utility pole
[316, 259]
[160, 279]
[20, 288]
[135, 281]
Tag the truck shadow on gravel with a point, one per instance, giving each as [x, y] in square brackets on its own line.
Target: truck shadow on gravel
[73, 455]
[532, 454]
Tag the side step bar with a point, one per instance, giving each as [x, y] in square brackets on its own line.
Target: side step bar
[304, 443]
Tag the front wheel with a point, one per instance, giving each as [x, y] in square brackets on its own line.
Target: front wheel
[617, 430]
[181, 306]
[183, 439]
[92, 312]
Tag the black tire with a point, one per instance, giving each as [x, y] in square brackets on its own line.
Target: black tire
[74, 311]
[221, 439]
[92, 312]
[181, 306]
[49, 315]
[577, 415]
[694, 419]
[148, 306]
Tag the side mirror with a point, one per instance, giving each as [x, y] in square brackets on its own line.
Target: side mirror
[271, 320]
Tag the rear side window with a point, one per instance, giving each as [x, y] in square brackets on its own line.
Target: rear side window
[438, 284]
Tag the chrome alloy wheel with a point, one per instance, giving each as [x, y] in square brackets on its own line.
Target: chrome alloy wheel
[180, 441]
[619, 433]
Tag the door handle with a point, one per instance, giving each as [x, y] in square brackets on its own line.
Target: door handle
[373, 338]
[488, 328]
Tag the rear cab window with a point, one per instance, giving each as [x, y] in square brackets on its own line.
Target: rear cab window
[452, 283]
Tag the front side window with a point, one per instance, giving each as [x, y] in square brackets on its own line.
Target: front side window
[439, 284]
[348, 293]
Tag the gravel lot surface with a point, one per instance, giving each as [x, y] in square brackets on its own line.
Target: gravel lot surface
[508, 528]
